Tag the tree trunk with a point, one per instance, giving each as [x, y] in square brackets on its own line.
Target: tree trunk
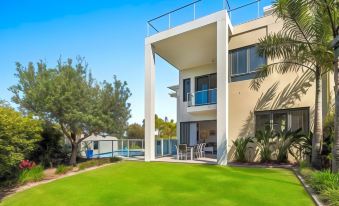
[74, 153]
[335, 150]
[73, 160]
[318, 127]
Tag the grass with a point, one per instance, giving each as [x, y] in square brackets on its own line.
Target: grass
[140, 183]
[31, 175]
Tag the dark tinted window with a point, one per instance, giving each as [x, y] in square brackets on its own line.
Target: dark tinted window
[187, 88]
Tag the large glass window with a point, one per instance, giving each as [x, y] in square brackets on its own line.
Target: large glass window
[262, 120]
[255, 60]
[205, 89]
[245, 60]
[281, 120]
[186, 89]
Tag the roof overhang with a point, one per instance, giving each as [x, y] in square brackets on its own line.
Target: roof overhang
[191, 44]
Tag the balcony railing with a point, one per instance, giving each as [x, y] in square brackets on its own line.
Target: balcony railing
[200, 8]
[203, 97]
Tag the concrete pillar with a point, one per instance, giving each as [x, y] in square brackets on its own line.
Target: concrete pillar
[149, 103]
[222, 90]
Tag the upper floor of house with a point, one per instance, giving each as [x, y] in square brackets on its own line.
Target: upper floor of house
[191, 47]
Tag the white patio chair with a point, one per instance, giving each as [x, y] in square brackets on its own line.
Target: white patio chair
[203, 145]
[182, 151]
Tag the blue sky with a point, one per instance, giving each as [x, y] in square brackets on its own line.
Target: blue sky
[109, 34]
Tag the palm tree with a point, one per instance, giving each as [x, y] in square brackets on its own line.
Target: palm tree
[329, 11]
[301, 45]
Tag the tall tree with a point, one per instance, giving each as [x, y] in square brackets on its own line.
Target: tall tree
[301, 45]
[328, 9]
[69, 96]
[135, 131]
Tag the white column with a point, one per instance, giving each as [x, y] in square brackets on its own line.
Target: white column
[149, 103]
[222, 90]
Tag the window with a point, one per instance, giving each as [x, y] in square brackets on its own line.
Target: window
[186, 89]
[245, 60]
[280, 120]
[205, 89]
[95, 145]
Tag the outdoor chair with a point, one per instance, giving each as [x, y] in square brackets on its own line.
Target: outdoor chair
[203, 149]
[196, 150]
[182, 151]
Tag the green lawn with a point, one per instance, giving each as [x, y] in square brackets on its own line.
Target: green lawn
[139, 183]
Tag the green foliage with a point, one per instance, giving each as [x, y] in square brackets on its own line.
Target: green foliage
[166, 129]
[325, 183]
[265, 142]
[63, 169]
[50, 150]
[31, 175]
[18, 138]
[97, 162]
[284, 143]
[241, 148]
[303, 147]
[331, 196]
[135, 131]
[324, 180]
[69, 96]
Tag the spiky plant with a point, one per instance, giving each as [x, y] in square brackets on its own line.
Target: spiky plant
[284, 144]
[265, 140]
[241, 148]
[302, 45]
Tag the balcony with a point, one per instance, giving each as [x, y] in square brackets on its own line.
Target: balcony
[201, 8]
[202, 101]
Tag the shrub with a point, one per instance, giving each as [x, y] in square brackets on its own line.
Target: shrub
[323, 180]
[284, 144]
[331, 195]
[31, 175]
[19, 135]
[306, 172]
[265, 142]
[241, 147]
[50, 150]
[63, 169]
[26, 164]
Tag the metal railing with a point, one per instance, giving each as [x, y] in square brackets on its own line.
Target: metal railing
[165, 147]
[193, 6]
[113, 148]
[203, 97]
[125, 148]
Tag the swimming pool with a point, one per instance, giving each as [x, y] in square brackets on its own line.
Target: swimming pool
[120, 153]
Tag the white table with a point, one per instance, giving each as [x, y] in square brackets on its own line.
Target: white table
[209, 149]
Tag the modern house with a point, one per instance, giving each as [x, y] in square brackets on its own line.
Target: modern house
[217, 61]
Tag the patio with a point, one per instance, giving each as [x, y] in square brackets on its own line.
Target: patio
[202, 160]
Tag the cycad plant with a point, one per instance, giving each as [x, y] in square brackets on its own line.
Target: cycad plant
[241, 148]
[301, 46]
[284, 143]
[303, 146]
[265, 140]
